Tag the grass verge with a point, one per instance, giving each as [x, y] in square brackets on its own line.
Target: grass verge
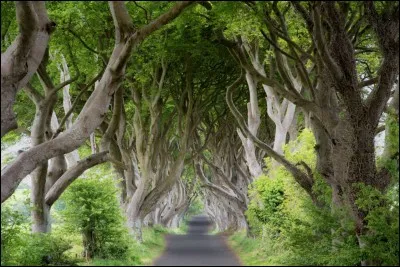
[252, 252]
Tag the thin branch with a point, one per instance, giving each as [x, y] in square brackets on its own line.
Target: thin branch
[301, 68]
[288, 40]
[161, 20]
[72, 174]
[275, 45]
[303, 179]
[303, 12]
[225, 178]
[308, 169]
[3, 34]
[75, 103]
[33, 94]
[145, 11]
[380, 128]
[87, 46]
[200, 173]
[368, 82]
[82, 41]
[359, 50]
[321, 45]
[62, 85]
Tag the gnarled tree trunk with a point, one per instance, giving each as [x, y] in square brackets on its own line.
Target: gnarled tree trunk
[21, 60]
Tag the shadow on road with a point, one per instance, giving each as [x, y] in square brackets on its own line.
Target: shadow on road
[197, 248]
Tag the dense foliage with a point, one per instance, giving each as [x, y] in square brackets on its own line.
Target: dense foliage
[291, 230]
[93, 209]
[20, 247]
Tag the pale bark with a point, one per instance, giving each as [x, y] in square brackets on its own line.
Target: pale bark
[293, 130]
[40, 211]
[72, 157]
[65, 76]
[45, 174]
[146, 147]
[93, 144]
[22, 58]
[304, 179]
[45, 123]
[57, 166]
[73, 173]
[172, 201]
[281, 112]
[225, 216]
[253, 120]
[394, 103]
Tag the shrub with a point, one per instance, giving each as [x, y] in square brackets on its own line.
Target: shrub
[382, 238]
[44, 249]
[12, 231]
[20, 247]
[91, 206]
[294, 231]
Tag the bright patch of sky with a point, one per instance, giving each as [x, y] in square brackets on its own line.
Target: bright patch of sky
[10, 152]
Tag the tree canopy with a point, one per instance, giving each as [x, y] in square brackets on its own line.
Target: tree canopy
[270, 113]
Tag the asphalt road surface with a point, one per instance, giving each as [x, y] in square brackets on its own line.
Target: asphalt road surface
[197, 248]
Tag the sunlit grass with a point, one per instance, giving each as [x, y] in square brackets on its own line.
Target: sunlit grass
[252, 252]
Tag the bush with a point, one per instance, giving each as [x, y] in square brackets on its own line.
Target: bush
[12, 231]
[292, 229]
[92, 208]
[20, 247]
[44, 249]
[382, 238]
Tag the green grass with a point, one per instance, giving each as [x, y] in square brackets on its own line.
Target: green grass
[107, 262]
[153, 244]
[252, 252]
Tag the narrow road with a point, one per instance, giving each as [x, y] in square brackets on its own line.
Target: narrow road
[197, 248]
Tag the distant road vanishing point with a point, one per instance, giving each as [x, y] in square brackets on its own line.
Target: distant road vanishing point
[197, 248]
